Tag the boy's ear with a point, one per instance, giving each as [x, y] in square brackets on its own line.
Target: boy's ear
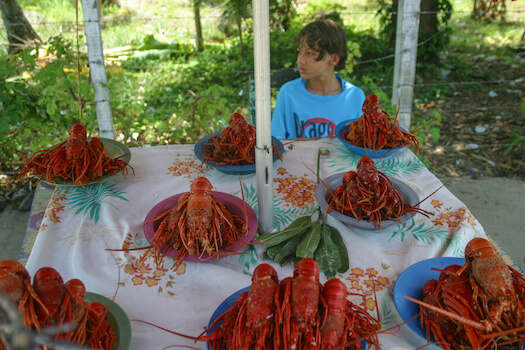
[335, 59]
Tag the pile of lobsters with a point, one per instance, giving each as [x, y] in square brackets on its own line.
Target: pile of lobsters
[49, 302]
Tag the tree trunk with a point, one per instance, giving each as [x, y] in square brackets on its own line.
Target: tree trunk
[428, 24]
[239, 28]
[198, 26]
[19, 30]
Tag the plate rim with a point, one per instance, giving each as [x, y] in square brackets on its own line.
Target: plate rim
[120, 316]
[363, 224]
[231, 169]
[250, 213]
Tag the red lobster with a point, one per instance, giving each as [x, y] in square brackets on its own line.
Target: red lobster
[235, 145]
[197, 224]
[376, 130]
[453, 293]
[345, 322]
[477, 303]
[16, 283]
[301, 306]
[252, 322]
[368, 194]
[292, 315]
[494, 278]
[48, 301]
[77, 159]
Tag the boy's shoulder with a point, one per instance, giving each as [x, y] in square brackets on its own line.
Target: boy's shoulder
[293, 83]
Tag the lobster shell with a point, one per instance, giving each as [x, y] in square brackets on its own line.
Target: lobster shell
[13, 279]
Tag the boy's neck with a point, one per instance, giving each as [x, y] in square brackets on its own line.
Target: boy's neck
[324, 86]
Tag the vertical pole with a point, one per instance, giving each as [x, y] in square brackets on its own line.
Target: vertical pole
[263, 151]
[97, 68]
[406, 56]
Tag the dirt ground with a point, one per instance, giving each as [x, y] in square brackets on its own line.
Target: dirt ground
[483, 129]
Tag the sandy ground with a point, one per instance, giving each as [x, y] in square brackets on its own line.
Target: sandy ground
[497, 203]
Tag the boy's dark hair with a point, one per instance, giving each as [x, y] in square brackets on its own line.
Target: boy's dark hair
[326, 35]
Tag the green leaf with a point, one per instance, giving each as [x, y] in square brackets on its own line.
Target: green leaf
[272, 251]
[289, 248]
[309, 242]
[287, 259]
[278, 237]
[343, 252]
[296, 227]
[327, 254]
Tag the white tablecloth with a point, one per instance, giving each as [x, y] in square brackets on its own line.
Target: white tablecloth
[80, 223]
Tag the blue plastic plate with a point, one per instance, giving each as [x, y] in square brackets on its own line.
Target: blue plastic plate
[342, 128]
[206, 145]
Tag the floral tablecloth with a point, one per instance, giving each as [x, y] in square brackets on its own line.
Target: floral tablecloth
[80, 224]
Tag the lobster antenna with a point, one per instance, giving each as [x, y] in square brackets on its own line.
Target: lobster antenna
[466, 321]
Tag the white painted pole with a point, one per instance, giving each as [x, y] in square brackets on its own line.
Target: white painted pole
[406, 57]
[263, 111]
[97, 68]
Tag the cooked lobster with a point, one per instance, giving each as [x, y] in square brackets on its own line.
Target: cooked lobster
[368, 194]
[291, 315]
[376, 130]
[345, 322]
[301, 306]
[475, 306]
[49, 302]
[77, 159]
[235, 145]
[197, 224]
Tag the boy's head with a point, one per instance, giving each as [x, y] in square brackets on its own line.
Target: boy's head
[325, 36]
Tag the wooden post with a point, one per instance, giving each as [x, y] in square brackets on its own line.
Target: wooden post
[406, 57]
[97, 68]
[198, 26]
[263, 115]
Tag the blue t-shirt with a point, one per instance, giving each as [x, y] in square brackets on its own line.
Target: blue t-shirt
[300, 114]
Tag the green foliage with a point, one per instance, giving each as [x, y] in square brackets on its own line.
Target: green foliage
[40, 97]
[164, 87]
[324, 8]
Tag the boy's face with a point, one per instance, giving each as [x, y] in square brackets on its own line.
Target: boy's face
[308, 65]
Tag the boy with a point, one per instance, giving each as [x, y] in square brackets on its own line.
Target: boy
[312, 105]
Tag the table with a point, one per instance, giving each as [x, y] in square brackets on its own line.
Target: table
[79, 224]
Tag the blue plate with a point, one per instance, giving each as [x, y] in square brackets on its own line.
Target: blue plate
[322, 192]
[411, 283]
[342, 128]
[206, 145]
[229, 302]
[223, 307]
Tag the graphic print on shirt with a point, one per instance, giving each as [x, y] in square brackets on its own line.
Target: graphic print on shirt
[313, 127]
